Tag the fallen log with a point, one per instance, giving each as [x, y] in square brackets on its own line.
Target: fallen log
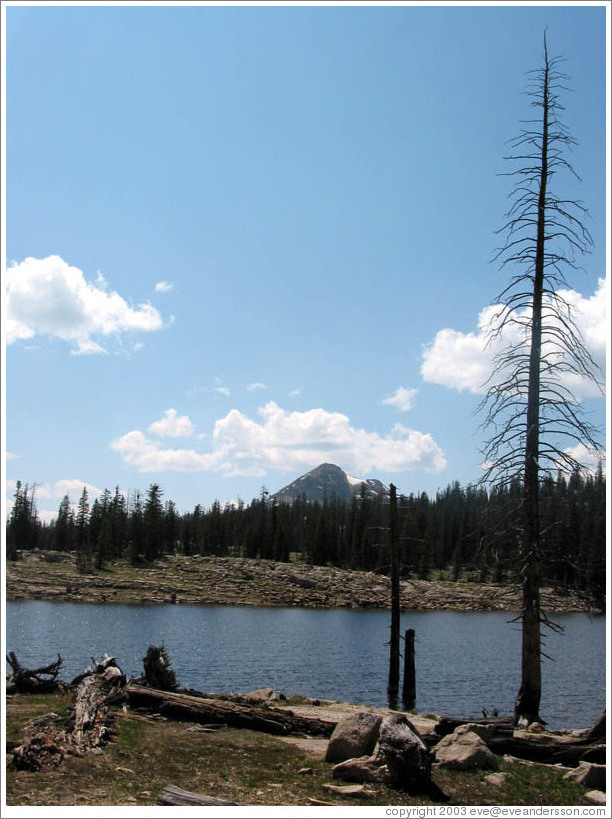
[202, 709]
[171, 795]
[550, 749]
[88, 725]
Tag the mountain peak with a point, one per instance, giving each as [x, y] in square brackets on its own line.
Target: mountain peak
[328, 482]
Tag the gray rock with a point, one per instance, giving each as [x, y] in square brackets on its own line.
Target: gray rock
[360, 769]
[589, 774]
[353, 736]
[262, 695]
[497, 779]
[463, 751]
[596, 797]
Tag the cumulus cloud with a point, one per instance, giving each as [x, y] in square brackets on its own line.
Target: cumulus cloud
[173, 425]
[284, 440]
[401, 399]
[257, 385]
[73, 487]
[463, 361]
[163, 287]
[49, 297]
[222, 390]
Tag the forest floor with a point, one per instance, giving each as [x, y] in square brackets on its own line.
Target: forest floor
[147, 753]
[240, 581]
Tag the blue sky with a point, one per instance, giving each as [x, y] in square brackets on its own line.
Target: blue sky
[241, 241]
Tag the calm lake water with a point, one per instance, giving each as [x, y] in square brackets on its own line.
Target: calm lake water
[464, 661]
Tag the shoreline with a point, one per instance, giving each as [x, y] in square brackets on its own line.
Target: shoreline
[237, 581]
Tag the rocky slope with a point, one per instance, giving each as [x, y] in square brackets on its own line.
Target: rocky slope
[328, 482]
[240, 581]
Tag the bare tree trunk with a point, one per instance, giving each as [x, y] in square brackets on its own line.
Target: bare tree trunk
[527, 705]
[394, 653]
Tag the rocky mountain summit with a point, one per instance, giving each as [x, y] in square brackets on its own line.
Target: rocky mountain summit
[329, 482]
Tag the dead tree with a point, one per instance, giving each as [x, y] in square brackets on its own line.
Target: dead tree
[532, 415]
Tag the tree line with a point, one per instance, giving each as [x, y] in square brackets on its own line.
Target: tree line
[461, 533]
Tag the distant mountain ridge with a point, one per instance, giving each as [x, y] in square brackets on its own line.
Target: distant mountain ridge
[328, 482]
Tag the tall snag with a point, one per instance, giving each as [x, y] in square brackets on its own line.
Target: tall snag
[532, 414]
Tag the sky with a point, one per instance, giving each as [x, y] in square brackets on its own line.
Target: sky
[241, 241]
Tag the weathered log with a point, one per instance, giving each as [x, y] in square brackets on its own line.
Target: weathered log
[171, 795]
[89, 725]
[550, 749]
[265, 718]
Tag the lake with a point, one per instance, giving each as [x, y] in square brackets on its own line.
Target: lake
[464, 661]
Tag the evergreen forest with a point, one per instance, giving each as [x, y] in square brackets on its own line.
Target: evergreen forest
[463, 533]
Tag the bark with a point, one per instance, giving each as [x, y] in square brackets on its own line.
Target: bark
[201, 709]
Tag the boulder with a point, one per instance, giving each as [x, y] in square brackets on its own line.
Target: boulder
[354, 736]
[464, 750]
[403, 752]
[589, 774]
[483, 731]
[262, 695]
[360, 769]
[596, 797]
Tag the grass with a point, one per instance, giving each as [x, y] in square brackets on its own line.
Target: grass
[147, 754]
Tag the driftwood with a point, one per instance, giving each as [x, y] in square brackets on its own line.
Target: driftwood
[32, 681]
[87, 726]
[171, 795]
[202, 709]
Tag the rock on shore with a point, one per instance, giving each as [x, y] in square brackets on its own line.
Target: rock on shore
[240, 581]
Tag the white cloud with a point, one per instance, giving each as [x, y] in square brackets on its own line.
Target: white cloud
[163, 287]
[222, 390]
[88, 347]
[401, 399]
[73, 487]
[50, 297]
[288, 441]
[257, 385]
[173, 425]
[462, 361]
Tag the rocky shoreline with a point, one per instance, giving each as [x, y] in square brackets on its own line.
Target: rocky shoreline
[207, 581]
